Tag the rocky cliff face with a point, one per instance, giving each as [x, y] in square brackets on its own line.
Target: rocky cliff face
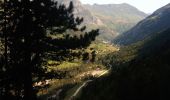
[81, 11]
[112, 19]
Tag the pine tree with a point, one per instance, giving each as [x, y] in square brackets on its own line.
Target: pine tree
[25, 26]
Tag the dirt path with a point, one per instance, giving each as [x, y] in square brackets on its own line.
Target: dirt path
[98, 73]
[79, 89]
[94, 73]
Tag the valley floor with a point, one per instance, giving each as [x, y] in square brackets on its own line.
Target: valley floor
[77, 74]
[68, 88]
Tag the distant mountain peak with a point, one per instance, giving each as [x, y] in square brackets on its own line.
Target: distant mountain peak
[111, 19]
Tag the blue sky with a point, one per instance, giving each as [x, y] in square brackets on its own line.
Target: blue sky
[147, 6]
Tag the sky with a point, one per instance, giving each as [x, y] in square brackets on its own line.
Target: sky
[147, 6]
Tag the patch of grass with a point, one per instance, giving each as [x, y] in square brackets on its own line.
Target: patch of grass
[67, 65]
[102, 48]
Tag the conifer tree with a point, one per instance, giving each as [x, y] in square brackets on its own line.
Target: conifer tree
[24, 29]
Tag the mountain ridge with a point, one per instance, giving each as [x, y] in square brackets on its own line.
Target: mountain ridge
[111, 19]
[156, 22]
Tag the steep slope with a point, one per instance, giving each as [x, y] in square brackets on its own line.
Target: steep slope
[145, 77]
[119, 17]
[156, 22]
[91, 21]
[81, 11]
[111, 19]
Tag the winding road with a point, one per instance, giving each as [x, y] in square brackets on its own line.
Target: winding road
[85, 84]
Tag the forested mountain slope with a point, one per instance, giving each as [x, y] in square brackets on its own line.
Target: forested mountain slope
[156, 22]
[145, 76]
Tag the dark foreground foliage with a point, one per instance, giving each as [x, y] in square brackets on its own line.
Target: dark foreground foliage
[25, 26]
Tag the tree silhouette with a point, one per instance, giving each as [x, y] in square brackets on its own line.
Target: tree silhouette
[25, 29]
[85, 57]
[93, 54]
